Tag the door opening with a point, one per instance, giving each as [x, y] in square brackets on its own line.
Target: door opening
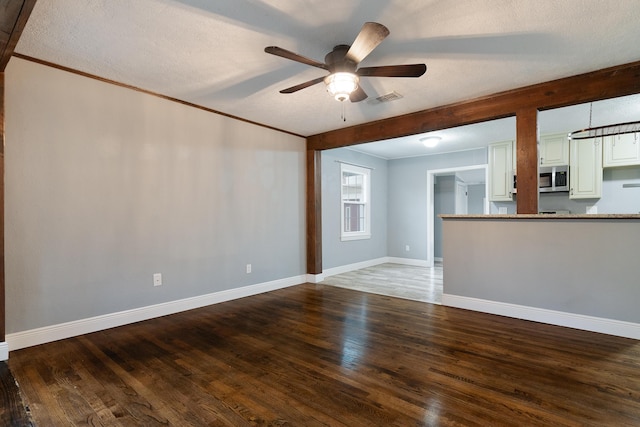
[464, 191]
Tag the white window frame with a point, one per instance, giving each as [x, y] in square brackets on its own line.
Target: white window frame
[366, 191]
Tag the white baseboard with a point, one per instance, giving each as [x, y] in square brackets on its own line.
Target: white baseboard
[315, 278]
[552, 317]
[4, 351]
[51, 333]
[370, 263]
[409, 261]
[355, 266]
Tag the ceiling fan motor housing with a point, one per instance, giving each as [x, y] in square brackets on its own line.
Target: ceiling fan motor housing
[337, 61]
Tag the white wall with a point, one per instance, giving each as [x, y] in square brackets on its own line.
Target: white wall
[106, 186]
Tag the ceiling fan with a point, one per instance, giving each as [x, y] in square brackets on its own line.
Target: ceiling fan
[342, 64]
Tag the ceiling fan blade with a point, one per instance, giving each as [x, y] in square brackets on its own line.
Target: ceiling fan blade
[358, 95]
[278, 51]
[410, 70]
[370, 36]
[302, 85]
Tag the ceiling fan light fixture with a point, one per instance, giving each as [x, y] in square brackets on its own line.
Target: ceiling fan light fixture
[430, 141]
[341, 85]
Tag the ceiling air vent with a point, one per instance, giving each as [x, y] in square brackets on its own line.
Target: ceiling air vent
[391, 96]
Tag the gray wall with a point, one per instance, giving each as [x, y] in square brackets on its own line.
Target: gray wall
[335, 252]
[477, 193]
[444, 202]
[407, 203]
[408, 198]
[581, 266]
[106, 186]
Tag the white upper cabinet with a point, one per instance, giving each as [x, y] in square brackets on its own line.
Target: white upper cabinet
[501, 171]
[585, 168]
[622, 150]
[554, 150]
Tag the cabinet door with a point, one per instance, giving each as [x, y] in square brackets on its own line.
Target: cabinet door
[622, 150]
[585, 169]
[501, 171]
[554, 150]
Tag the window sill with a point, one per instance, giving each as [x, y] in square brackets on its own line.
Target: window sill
[356, 237]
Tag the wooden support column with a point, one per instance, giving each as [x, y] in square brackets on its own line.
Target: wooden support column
[314, 212]
[527, 160]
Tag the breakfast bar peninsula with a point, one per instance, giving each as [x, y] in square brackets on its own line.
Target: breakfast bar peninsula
[579, 271]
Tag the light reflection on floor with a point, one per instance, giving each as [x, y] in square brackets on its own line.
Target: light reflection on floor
[355, 335]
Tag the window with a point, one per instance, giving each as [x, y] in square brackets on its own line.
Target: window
[355, 219]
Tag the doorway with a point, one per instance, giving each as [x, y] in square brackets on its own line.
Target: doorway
[460, 180]
[461, 206]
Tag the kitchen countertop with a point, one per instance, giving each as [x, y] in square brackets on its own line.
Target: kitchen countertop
[542, 216]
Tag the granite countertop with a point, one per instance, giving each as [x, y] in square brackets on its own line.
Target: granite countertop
[543, 216]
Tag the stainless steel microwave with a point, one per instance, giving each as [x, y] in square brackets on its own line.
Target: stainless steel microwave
[551, 179]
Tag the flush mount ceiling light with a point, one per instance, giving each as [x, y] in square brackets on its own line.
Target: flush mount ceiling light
[341, 85]
[430, 141]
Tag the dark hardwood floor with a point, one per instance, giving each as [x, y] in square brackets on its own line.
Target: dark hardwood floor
[12, 410]
[314, 355]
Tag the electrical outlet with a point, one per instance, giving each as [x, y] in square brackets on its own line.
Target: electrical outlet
[157, 279]
[406, 248]
[248, 268]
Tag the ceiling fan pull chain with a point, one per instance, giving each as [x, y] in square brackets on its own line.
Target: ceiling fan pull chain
[344, 117]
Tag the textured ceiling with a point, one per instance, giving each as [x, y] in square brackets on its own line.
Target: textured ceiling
[211, 52]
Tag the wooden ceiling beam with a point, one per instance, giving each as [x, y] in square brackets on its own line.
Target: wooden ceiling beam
[594, 86]
[14, 15]
[523, 102]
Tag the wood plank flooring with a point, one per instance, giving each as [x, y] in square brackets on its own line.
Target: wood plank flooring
[315, 355]
[12, 410]
[397, 280]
